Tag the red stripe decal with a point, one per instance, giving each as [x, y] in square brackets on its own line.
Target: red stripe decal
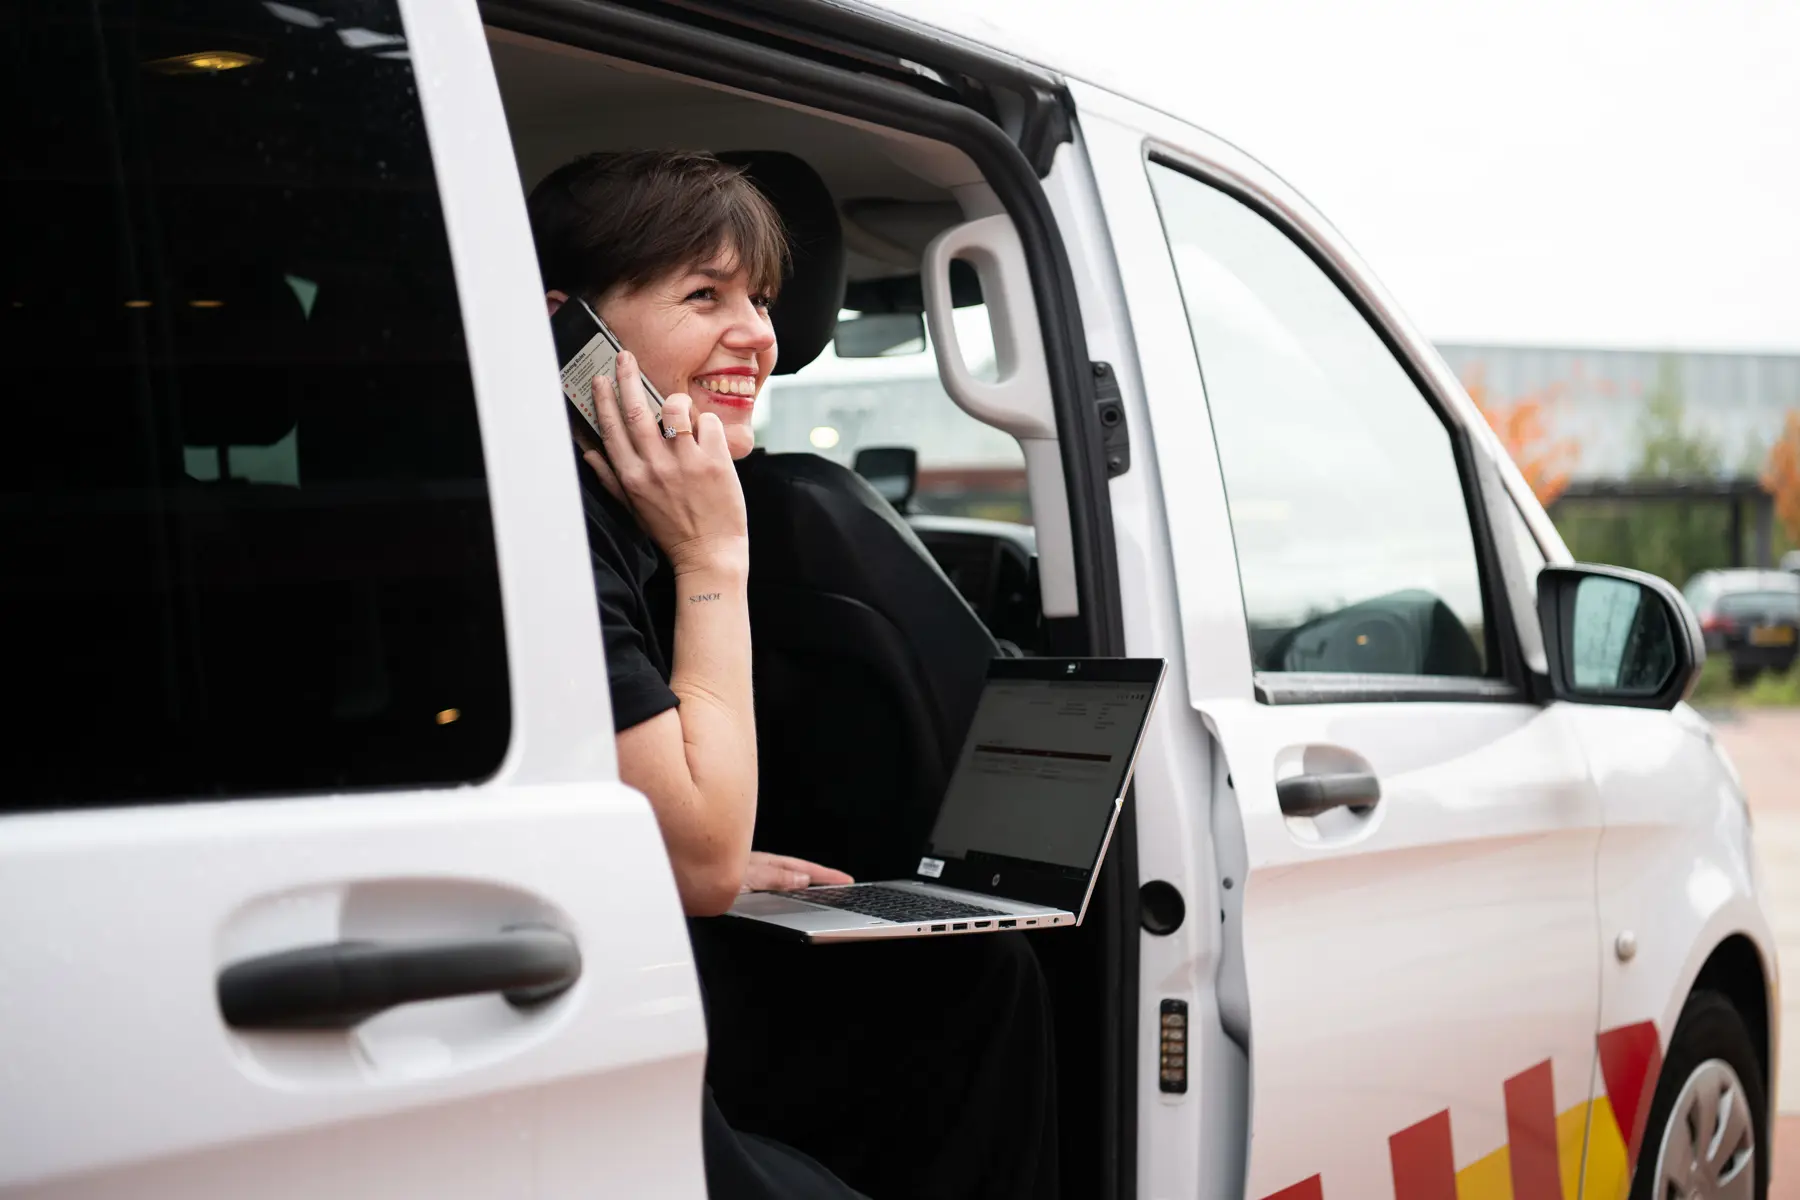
[1306, 1189]
[1531, 1135]
[1630, 1060]
[1424, 1162]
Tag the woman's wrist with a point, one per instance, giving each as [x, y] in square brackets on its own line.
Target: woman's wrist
[722, 560]
[714, 577]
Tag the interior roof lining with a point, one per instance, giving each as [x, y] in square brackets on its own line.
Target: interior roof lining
[542, 80]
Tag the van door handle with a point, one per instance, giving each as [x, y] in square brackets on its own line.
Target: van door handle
[1311, 795]
[338, 985]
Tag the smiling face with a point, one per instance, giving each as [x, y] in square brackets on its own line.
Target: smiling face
[703, 330]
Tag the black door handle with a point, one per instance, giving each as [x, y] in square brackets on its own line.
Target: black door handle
[1310, 795]
[340, 984]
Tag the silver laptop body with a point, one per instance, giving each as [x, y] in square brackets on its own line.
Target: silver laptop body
[1025, 821]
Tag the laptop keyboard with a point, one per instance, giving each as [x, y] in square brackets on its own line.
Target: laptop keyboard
[893, 904]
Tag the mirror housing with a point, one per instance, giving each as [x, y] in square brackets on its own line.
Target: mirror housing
[1618, 637]
[891, 470]
[879, 335]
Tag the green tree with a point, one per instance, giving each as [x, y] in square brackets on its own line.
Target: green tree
[1669, 449]
[1673, 539]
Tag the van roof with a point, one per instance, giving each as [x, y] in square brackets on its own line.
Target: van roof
[1058, 46]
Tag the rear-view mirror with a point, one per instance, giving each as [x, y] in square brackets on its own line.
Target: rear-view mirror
[1613, 636]
[879, 335]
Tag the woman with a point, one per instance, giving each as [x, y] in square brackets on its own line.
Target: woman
[682, 256]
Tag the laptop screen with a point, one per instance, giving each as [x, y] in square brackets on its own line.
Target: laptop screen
[1034, 790]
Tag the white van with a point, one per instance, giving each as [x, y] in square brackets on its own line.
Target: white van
[1451, 892]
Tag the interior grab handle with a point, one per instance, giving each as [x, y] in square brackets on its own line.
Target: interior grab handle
[1019, 399]
[1311, 795]
[340, 984]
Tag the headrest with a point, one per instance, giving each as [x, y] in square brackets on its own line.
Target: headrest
[806, 313]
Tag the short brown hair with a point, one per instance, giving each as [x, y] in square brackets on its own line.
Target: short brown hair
[631, 217]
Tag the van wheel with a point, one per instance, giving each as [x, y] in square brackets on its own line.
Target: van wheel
[1744, 676]
[1707, 1136]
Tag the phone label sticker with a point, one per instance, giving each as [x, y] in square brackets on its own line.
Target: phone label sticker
[931, 868]
[595, 358]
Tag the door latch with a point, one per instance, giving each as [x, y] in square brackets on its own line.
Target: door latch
[1115, 439]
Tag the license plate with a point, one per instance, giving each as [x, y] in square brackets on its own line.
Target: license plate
[1772, 635]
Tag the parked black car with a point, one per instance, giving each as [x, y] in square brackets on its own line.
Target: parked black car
[1753, 617]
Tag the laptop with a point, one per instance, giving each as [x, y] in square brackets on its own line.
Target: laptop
[1025, 820]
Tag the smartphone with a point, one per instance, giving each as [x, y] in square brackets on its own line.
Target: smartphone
[586, 347]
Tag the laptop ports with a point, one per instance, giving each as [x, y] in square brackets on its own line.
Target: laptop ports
[960, 925]
[1007, 924]
[939, 928]
[982, 924]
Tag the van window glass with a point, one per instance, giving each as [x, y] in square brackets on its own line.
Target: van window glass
[244, 518]
[837, 405]
[1355, 551]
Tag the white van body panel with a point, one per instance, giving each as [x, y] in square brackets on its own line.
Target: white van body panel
[123, 918]
[1533, 794]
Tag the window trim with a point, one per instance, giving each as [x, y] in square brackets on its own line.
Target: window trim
[1324, 687]
[1511, 683]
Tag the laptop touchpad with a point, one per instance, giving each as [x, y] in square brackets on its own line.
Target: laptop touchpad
[770, 904]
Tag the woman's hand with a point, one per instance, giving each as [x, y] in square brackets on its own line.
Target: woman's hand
[779, 873]
[683, 489]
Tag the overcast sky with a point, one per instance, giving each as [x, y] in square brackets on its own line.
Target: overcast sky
[1570, 172]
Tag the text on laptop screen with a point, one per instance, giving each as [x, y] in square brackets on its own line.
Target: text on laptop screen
[1042, 765]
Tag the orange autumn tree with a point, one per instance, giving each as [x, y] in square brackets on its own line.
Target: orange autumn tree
[1781, 477]
[1545, 462]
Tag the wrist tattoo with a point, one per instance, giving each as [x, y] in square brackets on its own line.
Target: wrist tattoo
[703, 597]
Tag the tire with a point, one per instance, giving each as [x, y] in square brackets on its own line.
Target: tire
[1744, 676]
[1710, 1051]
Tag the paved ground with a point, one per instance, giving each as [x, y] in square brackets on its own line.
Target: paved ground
[1765, 745]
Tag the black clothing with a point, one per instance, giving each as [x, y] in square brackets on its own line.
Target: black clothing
[743, 1166]
[916, 1070]
[920, 1069]
[738, 1166]
[624, 558]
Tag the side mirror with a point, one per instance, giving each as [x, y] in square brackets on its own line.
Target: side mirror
[879, 335]
[891, 470]
[1619, 637]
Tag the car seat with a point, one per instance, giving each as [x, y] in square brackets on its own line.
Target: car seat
[868, 663]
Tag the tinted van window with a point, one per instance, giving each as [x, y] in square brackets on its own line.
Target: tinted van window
[243, 514]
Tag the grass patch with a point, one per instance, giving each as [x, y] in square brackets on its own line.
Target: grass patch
[1775, 691]
[1715, 689]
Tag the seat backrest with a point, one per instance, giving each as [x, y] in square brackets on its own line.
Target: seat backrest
[868, 662]
[868, 667]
